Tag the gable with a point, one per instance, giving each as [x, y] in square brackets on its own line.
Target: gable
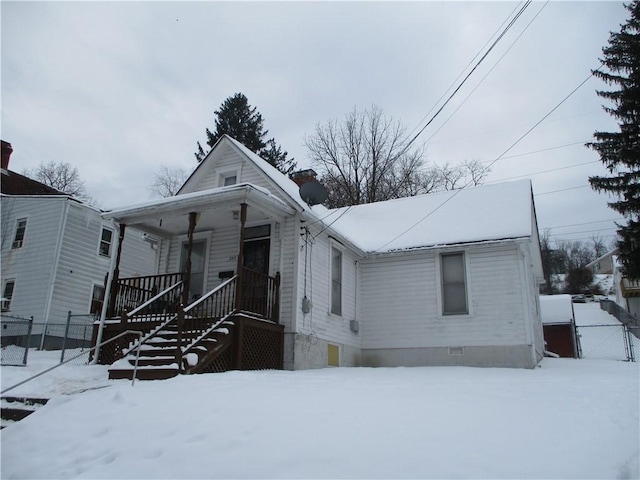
[230, 158]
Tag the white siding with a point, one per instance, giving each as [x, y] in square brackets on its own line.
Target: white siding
[233, 161]
[31, 265]
[320, 321]
[401, 306]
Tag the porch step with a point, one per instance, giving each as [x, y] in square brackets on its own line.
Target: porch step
[15, 409]
[155, 373]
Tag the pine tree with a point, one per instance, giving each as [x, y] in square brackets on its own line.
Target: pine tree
[238, 119]
[620, 151]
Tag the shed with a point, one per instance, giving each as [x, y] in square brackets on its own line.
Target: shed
[558, 325]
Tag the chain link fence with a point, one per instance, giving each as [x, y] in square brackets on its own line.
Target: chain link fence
[610, 342]
[15, 339]
[70, 338]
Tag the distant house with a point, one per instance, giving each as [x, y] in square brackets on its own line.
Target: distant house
[604, 264]
[57, 250]
[441, 279]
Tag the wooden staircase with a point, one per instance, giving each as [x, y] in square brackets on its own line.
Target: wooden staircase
[211, 334]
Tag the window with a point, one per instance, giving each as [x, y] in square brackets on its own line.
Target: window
[228, 178]
[7, 295]
[97, 298]
[336, 281]
[454, 289]
[21, 228]
[106, 238]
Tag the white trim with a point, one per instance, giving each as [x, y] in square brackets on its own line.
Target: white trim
[340, 248]
[103, 227]
[467, 277]
[224, 174]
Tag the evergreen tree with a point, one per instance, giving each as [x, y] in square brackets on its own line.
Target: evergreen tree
[620, 151]
[239, 120]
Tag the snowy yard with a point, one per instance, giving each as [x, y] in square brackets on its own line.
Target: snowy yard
[565, 419]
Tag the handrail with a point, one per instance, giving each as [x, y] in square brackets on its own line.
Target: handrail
[149, 335]
[153, 299]
[209, 330]
[127, 332]
[204, 297]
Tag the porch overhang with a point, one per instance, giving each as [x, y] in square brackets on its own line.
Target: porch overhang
[216, 207]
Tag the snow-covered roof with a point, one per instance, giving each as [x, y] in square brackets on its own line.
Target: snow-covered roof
[487, 213]
[556, 309]
[196, 198]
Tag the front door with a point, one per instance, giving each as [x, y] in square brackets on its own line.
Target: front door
[198, 256]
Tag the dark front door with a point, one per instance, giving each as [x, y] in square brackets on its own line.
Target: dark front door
[255, 289]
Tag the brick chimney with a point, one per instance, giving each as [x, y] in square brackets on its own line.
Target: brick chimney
[303, 176]
[6, 154]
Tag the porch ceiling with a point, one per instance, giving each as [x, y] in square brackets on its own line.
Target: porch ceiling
[169, 216]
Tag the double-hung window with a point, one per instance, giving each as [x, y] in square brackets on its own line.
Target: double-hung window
[454, 284]
[7, 294]
[336, 281]
[21, 228]
[106, 239]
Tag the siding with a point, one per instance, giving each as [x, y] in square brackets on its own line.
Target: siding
[31, 265]
[327, 326]
[400, 301]
[229, 161]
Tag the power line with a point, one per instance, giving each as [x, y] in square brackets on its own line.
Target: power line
[456, 192]
[488, 73]
[586, 223]
[464, 80]
[561, 190]
[544, 171]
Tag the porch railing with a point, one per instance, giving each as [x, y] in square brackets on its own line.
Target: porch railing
[134, 291]
[261, 294]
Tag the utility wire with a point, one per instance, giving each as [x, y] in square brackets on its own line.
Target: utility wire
[585, 223]
[465, 68]
[495, 42]
[544, 171]
[487, 74]
[456, 192]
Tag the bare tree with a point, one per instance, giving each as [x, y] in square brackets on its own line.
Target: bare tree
[167, 181]
[364, 159]
[599, 247]
[367, 158]
[62, 176]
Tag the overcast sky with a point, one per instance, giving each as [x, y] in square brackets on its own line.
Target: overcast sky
[117, 89]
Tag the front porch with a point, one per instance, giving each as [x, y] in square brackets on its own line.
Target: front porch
[204, 317]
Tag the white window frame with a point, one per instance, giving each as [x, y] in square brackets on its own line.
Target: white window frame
[20, 232]
[441, 284]
[100, 240]
[332, 310]
[223, 176]
[6, 304]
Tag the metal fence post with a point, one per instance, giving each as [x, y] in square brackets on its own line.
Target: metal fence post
[66, 334]
[26, 350]
[630, 343]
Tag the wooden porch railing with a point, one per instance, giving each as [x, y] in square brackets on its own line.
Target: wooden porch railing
[261, 294]
[134, 291]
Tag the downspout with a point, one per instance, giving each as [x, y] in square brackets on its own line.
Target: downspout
[54, 268]
[105, 304]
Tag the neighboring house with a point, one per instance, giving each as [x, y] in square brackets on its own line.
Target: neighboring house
[627, 291]
[57, 251]
[440, 279]
[559, 325]
[605, 264]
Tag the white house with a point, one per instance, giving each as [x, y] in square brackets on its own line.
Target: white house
[440, 279]
[56, 251]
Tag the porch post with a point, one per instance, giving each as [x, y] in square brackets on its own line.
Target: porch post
[240, 266]
[113, 293]
[187, 265]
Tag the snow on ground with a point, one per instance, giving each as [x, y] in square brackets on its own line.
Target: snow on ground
[565, 419]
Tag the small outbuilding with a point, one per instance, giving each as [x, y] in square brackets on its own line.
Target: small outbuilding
[558, 325]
